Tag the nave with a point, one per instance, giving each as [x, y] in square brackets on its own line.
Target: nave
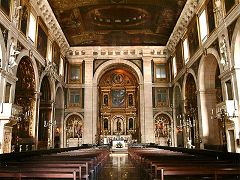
[141, 162]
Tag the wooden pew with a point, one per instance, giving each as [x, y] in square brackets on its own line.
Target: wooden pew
[160, 163]
[78, 164]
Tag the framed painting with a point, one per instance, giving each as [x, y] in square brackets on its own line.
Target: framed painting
[42, 38]
[5, 6]
[193, 37]
[118, 98]
[210, 16]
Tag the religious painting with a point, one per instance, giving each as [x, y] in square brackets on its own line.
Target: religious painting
[4, 33]
[229, 5]
[42, 38]
[210, 15]
[5, 6]
[160, 96]
[193, 37]
[56, 54]
[118, 98]
[24, 18]
[179, 56]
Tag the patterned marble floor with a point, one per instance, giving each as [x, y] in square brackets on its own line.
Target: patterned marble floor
[119, 167]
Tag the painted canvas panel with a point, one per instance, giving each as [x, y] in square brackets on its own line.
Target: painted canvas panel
[42, 41]
[229, 5]
[5, 6]
[193, 37]
[118, 98]
[179, 56]
[24, 20]
[210, 14]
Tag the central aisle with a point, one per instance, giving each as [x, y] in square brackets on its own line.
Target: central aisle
[119, 167]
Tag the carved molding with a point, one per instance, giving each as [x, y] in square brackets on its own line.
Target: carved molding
[186, 16]
[110, 52]
[45, 11]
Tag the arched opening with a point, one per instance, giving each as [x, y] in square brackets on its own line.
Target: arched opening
[74, 130]
[178, 116]
[211, 95]
[45, 112]
[162, 131]
[22, 133]
[118, 106]
[59, 115]
[190, 117]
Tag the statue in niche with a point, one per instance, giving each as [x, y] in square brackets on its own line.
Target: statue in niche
[130, 99]
[105, 99]
[218, 10]
[17, 8]
[12, 53]
[78, 130]
[119, 129]
[223, 51]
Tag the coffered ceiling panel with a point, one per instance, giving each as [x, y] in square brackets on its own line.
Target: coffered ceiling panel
[117, 22]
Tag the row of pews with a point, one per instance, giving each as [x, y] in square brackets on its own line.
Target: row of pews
[75, 164]
[168, 164]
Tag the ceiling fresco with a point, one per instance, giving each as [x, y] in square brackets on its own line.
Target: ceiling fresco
[117, 22]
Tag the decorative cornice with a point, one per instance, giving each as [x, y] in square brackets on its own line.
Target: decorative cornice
[44, 10]
[182, 23]
[111, 52]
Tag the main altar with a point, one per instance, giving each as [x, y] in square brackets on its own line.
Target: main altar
[118, 142]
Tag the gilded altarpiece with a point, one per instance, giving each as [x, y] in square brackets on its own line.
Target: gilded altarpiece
[74, 130]
[24, 98]
[118, 102]
[162, 130]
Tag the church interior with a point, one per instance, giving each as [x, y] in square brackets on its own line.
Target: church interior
[122, 85]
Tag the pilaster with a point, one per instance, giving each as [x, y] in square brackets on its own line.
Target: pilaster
[89, 123]
[147, 125]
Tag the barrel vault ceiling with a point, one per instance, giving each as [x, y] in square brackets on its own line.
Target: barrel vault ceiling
[117, 22]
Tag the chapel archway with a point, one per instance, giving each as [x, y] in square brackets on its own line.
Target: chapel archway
[22, 133]
[211, 95]
[118, 105]
[190, 117]
[45, 113]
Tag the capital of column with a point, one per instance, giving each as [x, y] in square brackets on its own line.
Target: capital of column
[88, 59]
[147, 59]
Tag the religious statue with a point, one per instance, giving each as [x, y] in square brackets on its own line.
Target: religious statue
[223, 51]
[17, 8]
[218, 11]
[13, 52]
[105, 99]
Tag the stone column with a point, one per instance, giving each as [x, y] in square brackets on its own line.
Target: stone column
[147, 125]
[89, 125]
[36, 125]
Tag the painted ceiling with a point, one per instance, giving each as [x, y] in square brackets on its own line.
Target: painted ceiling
[117, 22]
